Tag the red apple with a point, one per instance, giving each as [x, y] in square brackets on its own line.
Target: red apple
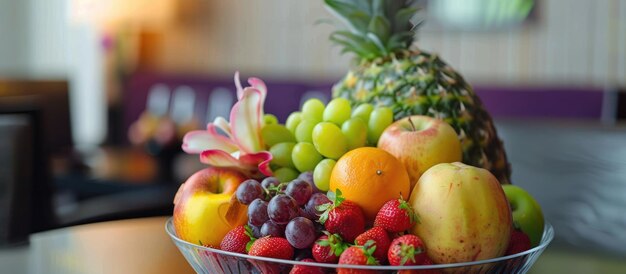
[420, 142]
[204, 207]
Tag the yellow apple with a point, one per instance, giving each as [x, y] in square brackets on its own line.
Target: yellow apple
[205, 209]
[464, 214]
[420, 142]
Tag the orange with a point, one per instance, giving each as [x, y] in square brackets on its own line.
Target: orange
[370, 177]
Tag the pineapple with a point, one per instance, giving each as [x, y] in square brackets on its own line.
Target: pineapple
[390, 72]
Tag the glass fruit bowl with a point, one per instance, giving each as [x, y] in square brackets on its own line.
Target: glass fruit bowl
[210, 260]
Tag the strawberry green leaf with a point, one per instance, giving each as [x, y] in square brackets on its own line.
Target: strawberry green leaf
[278, 189]
[368, 249]
[324, 216]
[337, 245]
[249, 233]
[249, 245]
[408, 209]
[339, 248]
[336, 197]
[325, 209]
[331, 195]
[371, 249]
[408, 252]
[248, 230]
[372, 261]
[323, 243]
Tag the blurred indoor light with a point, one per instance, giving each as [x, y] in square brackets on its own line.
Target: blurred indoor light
[144, 12]
[479, 14]
[89, 22]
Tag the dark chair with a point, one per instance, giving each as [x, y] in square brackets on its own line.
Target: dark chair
[17, 171]
[34, 124]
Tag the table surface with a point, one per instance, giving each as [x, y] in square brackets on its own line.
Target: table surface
[127, 246]
[142, 246]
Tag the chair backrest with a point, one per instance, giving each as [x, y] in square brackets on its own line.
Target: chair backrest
[17, 175]
[49, 97]
[207, 98]
[36, 118]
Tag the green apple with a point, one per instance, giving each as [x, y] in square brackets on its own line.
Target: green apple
[527, 215]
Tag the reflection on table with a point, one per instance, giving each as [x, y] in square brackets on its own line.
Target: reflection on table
[129, 246]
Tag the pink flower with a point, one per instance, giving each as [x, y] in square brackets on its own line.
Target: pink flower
[240, 145]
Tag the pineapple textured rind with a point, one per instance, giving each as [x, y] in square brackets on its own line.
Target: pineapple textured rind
[419, 83]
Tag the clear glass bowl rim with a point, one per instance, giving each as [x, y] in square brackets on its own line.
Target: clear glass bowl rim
[548, 236]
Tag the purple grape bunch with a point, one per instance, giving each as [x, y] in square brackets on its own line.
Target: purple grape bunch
[284, 209]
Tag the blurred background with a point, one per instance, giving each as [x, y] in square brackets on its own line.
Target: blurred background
[96, 95]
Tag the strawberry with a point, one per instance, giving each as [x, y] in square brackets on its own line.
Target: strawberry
[327, 248]
[519, 242]
[381, 241]
[272, 247]
[358, 255]
[342, 217]
[239, 240]
[427, 261]
[407, 250]
[306, 269]
[396, 216]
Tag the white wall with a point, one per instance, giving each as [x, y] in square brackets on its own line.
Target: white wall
[48, 38]
[13, 38]
[33, 38]
[38, 41]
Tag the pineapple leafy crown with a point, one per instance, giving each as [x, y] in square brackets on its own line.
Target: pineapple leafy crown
[373, 28]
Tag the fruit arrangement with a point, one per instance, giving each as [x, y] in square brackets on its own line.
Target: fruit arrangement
[403, 167]
[399, 198]
[411, 81]
[315, 137]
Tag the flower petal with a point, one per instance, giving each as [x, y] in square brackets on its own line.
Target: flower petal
[222, 124]
[245, 121]
[238, 85]
[259, 85]
[197, 141]
[249, 164]
[261, 160]
[220, 158]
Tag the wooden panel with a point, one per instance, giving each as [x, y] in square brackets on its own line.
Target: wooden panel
[621, 34]
[600, 41]
[576, 42]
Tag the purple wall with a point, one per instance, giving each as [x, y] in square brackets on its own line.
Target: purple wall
[284, 97]
[542, 102]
